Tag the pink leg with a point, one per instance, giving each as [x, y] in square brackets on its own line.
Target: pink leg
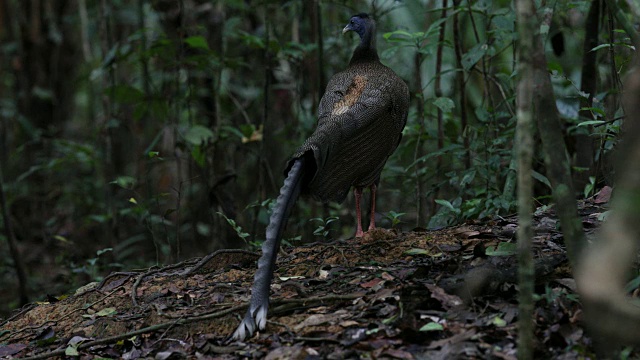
[358, 194]
[372, 221]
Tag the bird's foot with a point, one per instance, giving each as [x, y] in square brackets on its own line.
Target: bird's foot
[359, 233]
[253, 321]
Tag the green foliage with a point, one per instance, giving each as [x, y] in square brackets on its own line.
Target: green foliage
[238, 229]
[502, 249]
[95, 266]
[432, 326]
[394, 217]
[590, 187]
[553, 295]
[633, 284]
[163, 127]
[323, 228]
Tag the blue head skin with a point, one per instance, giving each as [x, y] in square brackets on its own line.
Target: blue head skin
[364, 26]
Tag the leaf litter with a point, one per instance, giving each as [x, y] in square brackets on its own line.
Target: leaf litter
[443, 294]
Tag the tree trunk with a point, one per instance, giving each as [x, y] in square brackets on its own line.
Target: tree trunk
[555, 155]
[524, 151]
[603, 273]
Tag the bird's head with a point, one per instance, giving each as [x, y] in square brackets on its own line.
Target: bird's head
[361, 24]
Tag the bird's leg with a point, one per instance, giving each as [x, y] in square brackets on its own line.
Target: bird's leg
[358, 194]
[372, 221]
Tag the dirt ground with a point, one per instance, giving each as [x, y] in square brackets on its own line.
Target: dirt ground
[445, 294]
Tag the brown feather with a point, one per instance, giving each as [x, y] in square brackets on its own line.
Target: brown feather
[361, 117]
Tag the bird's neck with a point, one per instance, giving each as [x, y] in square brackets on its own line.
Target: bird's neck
[366, 50]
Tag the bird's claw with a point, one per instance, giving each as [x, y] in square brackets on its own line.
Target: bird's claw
[253, 321]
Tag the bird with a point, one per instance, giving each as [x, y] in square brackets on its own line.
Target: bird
[360, 121]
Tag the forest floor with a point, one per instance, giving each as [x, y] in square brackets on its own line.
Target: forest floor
[444, 294]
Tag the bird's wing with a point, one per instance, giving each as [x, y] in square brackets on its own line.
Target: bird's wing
[353, 102]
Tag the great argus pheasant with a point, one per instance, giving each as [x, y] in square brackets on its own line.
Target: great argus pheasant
[360, 122]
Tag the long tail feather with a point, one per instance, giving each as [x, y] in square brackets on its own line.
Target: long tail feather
[256, 316]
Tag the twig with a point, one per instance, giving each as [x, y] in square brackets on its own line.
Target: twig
[135, 285]
[61, 317]
[24, 309]
[117, 273]
[207, 258]
[184, 321]
[141, 331]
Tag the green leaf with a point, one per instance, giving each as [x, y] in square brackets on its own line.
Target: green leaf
[544, 29]
[601, 46]
[473, 56]
[203, 229]
[604, 215]
[198, 155]
[467, 178]
[432, 326]
[125, 182]
[125, 94]
[61, 238]
[445, 104]
[198, 135]
[102, 251]
[197, 42]
[633, 284]
[233, 130]
[106, 312]
[417, 251]
[499, 322]
[448, 205]
[395, 214]
[71, 350]
[101, 219]
[401, 33]
[594, 110]
[503, 249]
[591, 122]
[554, 66]
[543, 179]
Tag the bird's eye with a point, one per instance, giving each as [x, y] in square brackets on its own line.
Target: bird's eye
[352, 22]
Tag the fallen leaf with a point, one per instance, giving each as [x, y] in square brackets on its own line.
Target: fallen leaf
[349, 323]
[11, 349]
[398, 354]
[603, 195]
[432, 326]
[448, 301]
[372, 283]
[319, 319]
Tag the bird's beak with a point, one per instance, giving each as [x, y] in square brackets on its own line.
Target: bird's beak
[346, 29]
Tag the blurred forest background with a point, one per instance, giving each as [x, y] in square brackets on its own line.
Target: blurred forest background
[142, 132]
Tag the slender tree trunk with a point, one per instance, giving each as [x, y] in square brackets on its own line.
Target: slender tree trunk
[13, 246]
[421, 197]
[603, 273]
[524, 150]
[623, 21]
[266, 88]
[107, 108]
[438, 93]
[584, 142]
[555, 155]
[457, 39]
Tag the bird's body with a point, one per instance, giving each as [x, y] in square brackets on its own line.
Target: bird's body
[360, 121]
[360, 125]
